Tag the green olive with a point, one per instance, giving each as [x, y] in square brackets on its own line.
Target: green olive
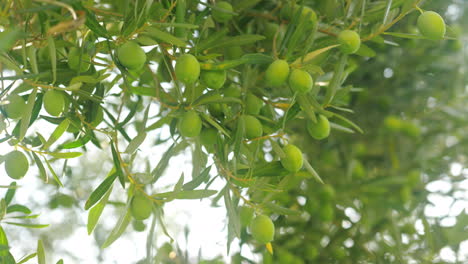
[138, 225]
[54, 102]
[292, 161]
[246, 215]
[141, 207]
[187, 69]
[74, 60]
[319, 130]
[262, 229]
[16, 164]
[208, 137]
[253, 127]
[16, 106]
[431, 25]
[349, 41]
[213, 79]
[131, 55]
[253, 104]
[300, 81]
[277, 73]
[222, 12]
[190, 124]
[232, 91]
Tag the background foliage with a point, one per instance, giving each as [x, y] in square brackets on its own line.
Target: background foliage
[407, 94]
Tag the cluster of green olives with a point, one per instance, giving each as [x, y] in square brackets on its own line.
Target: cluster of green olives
[188, 71]
[278, 72]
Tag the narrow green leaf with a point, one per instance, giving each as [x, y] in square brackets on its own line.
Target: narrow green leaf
[53, 57]
[183, 195]
[204, 175]
[311, 170]
[119, 228]
[93, 25]
[135, 143]
[18, 208]
[97, 194]
[117, 165]
[349, 122]
[215, 124]
[56, 178]
[27, 225]
[312, 55]
[307, 107]
[3, 243]
[9, 37]
[236, 41]
[40, 253]
[164, 36]
[173, 150]
[42, 171]
[95, 212]
[65, 155]
[27, 258]
[58, 132]
[10, 193]
[77, 143]
[27, 114]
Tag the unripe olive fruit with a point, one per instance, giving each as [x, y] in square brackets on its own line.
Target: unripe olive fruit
[253, 104]
[74, 60]
[292, 161]
[187, 69]
[138, 225]
[219, 14]
[213, 79]
[253, 127]
[131, 55]
[16, 164]
[262, 229]
[208, 137]
[431, 25]
[277, 73]
[349, 41]
[190, 124]
[300, 81]
[246, 215]
[319, 130]
[141, 207]
[232, 91]
[54, 102]
[16, 106]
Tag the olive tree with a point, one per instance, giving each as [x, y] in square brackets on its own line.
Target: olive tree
[307, 111]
